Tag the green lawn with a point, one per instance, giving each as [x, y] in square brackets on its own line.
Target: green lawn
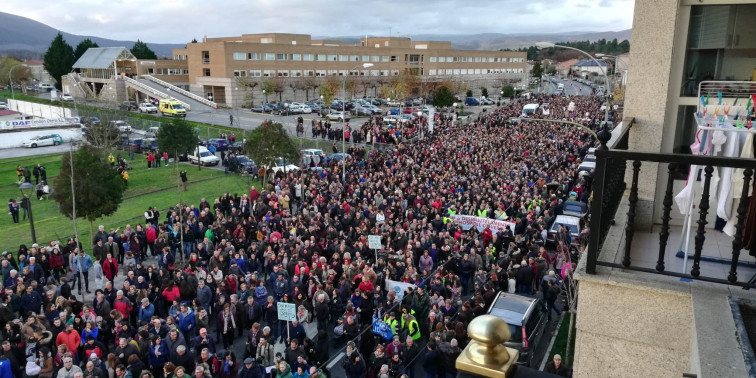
[560, 342]
[157, 187]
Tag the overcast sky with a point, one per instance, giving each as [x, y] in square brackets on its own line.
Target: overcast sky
[178, 21]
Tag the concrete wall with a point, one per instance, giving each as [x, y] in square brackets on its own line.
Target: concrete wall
[654, 27]
[39, 110]
[626, 330]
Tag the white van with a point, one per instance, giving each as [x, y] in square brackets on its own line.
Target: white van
[528, 110]
[202, 156]
[560, 87]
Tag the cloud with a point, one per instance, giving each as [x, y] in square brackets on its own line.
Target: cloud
[178, 21]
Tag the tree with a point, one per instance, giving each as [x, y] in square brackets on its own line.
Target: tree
[194, 40]
[269, 142]
[484, 92]
[468, 93]
[142, 51]
[82, 47]
[59, 59]
[177, 138]
[328, 90]
[537, 70]
[443, 96]
[273, 85]
[308, 84]
[98, 187]
[20, 74]
[508, 91]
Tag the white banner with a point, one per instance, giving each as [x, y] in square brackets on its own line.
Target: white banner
[468, 221]
[431, 119]
[399, 287]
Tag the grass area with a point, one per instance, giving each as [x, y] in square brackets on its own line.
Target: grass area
[156, 187]
[560, 342]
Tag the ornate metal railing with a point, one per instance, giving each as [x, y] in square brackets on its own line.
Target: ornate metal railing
[607, 193]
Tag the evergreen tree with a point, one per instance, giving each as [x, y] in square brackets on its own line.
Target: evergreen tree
[59, 59]
[443, 97]
[142, 51]
[82, 47]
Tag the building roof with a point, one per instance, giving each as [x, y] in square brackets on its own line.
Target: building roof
[31, 62]
[103, 57]
[589, 63]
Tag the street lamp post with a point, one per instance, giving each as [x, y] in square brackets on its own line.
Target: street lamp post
[73, 192]
[28, 185]
[10, 78]
[343, 109]
[546, 45]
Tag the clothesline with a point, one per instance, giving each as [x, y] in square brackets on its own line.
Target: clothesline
[734, 130]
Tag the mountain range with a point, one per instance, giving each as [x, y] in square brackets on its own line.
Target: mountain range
[25, 38]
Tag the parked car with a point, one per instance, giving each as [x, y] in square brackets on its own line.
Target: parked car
[339, 156]
[281, 166]
[471, 101]
[128, 105]
[364, 110]
[202, 156]
[89, 121]
[297, 108]
[565, 221]
[339, 116]
[312, 154]
[258, 109]
[313, 106]
[220, 144]
[147, 107]
[44, 140]
[574, 208]
[122, 126]
[246, 165]
[527, 321]
[66, 97]
[3, 106]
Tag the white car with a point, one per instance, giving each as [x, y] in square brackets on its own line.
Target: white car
[202, 156]
[66, 97]
[312, 154]
[44, 140]
[121, 126]
[3, 106]
[281, 166]
[147, 107]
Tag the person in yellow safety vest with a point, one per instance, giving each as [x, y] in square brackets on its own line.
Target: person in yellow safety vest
[447, 220]
[411, 312]
[533, 203]
[111, 160]
[482, 212]
[451, 210]
[500, 214]
[413, 329]
[390, 319]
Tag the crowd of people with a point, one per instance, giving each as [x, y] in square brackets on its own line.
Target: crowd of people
[174, 295]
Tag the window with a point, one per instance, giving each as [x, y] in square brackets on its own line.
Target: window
[320, 73]
[395, 72]
[331, 57]
[333, 72]
[206, 72]
[186, 71]
[269, 73]
[205, 57]
[442, 59]
[282, 57]
[354, 58]
[414, 59]
[240, 56]
[433, 59]
[365, 58]
[240, 73]
[463, 71]
[491, 59]
[269, 56]
[477, 71]
[456, 71]
[384, 72]
[320, 57]
[309, 73]
[308, 57]
[374, 72]
[384, 58]
[255, 73]
[375, 58]
[174, 71]
[283, 73]
[394, 58]
[295, 57]
[253, 56]
[449, 59]
[343, 58]
[431, 72]
[296, 73]
[343, 72]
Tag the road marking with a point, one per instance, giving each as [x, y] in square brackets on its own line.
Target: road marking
[335, 360]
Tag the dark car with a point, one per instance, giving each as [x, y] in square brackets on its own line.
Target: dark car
[258, 109]
[89, 121]
[268, 108]
[246, 165]
[220, 144]
[527, 321]
[280, 109]
[128, 105]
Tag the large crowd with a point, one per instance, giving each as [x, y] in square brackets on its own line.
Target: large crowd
[173, 295]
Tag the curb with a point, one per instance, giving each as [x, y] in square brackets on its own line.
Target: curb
[551, 343]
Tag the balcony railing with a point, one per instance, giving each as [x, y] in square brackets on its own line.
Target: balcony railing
[608, 191]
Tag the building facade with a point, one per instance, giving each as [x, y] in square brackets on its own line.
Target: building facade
[230, 68]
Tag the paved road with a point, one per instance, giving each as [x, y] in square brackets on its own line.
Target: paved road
[7, 153]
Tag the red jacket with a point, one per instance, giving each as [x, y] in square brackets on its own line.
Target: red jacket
[151, 234]
[72, 340]
[123, 306]
[110, 268]
[56, 261]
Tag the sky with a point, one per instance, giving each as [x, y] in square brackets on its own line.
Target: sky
[178, 21]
